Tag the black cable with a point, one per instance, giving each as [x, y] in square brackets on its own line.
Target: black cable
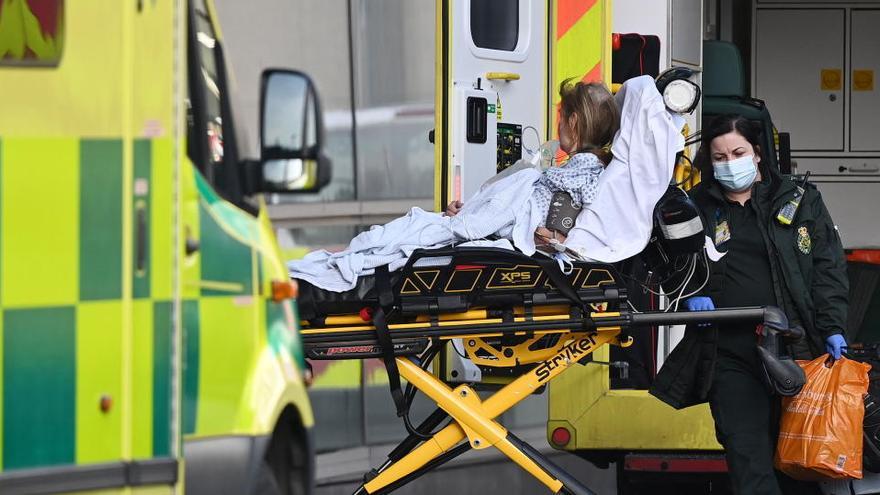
[647, 284]
[410, 395]
[693, 138]
[690, 171]
[457, 351]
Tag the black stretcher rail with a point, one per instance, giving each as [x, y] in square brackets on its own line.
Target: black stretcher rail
[625, 320]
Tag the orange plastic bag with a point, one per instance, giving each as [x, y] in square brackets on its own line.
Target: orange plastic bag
[820, 434]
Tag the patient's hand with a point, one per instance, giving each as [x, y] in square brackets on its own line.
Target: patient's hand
[453, 208]
[542, 234]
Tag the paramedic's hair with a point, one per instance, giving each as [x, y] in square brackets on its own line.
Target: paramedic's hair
[598, 117]
[720, 126]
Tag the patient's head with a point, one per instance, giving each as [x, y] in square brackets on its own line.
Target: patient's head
[588, 118]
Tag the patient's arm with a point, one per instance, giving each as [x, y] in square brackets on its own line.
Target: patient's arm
[543, 236]
[453, 208]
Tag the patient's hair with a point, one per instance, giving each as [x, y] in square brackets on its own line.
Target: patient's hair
[598, 116]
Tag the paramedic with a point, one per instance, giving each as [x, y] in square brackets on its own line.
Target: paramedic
[588, 120]
[796, 263]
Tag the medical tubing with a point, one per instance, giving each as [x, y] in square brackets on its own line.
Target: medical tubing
[690, 277]
[673, 305]
[646, 284]
[528, 150]
[680, 287]
[705, 279]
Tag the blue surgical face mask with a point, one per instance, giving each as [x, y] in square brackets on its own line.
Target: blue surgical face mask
[736, 175]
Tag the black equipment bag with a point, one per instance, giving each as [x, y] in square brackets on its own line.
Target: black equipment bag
[637, 55]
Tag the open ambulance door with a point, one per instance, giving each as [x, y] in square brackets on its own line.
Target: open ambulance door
[491, 93]
[498, 66]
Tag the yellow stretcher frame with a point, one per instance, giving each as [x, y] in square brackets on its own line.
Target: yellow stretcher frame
[474, 419]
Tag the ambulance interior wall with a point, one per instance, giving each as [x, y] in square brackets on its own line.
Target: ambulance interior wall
[833, 129]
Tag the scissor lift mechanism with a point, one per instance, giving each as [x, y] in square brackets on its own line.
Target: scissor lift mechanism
[511, 311]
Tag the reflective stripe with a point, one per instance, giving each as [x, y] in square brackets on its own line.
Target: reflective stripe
[682, 229]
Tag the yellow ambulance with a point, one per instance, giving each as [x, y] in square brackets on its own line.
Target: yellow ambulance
[148, 329]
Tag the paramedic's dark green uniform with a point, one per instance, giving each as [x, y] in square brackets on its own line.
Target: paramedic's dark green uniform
[800, 268]
[743, 409]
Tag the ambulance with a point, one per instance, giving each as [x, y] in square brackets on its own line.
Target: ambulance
[148, 328]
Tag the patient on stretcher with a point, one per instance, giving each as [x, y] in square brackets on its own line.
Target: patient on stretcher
[589, 119]
[615, 189]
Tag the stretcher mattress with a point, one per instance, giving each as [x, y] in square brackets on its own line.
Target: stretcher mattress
[454, 280]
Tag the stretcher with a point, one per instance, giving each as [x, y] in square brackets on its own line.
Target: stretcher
[524, 315]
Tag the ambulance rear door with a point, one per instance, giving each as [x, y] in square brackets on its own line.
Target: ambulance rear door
[492, 79]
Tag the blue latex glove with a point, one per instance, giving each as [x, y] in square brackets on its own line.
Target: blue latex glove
[835, 345]
[700, 303]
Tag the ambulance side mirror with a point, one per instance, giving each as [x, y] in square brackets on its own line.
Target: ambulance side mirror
[292, 159]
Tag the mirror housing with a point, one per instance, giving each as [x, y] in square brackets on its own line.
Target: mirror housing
[292, 158]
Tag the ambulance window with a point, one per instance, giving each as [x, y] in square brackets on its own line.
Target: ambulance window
[40, 43]
[495, 24]
[210, 85]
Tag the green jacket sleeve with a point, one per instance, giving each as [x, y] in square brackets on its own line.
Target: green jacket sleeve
[830, 286]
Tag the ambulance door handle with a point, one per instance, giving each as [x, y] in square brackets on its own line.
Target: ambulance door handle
[190, 244]
[864, 168]
[141, 239]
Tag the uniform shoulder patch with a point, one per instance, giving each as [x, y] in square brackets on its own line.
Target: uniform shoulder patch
[804, 243]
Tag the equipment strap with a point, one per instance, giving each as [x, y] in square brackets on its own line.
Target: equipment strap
[383, 336]
[559, 280]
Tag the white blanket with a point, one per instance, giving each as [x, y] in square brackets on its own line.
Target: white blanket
[618, 223]
[504, 207]
[615, 226]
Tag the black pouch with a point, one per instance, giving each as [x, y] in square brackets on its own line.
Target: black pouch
[562, 213]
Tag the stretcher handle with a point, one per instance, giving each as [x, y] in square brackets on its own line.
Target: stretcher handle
[724, 315]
